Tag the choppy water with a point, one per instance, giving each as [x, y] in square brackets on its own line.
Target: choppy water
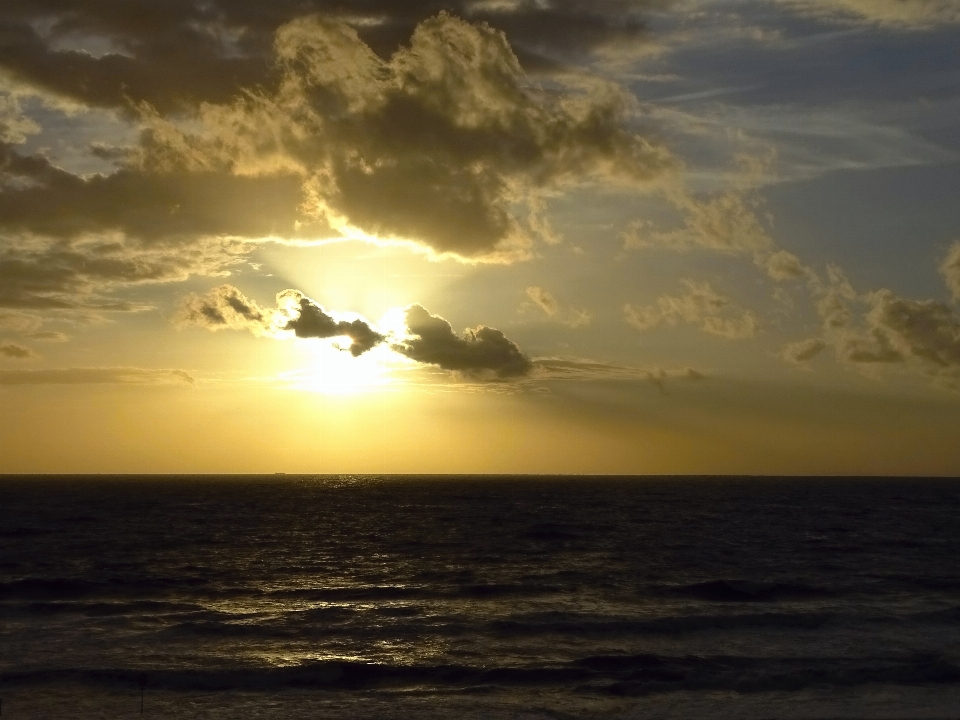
[472, 597]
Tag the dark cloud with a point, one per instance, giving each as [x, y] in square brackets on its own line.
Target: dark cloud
[177, 53]
[480, 352]
[477, 351]
[225, 307]
[440, 145]
[45, 275]
[312, 321]
[39, 198]
[17, 352]
[99, 376]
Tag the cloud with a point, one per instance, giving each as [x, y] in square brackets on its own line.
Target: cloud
[904, 13]
[891, 331]
[225, 307]
[17, 352]
[429, 339]
[44, 274]
[783, 265]
[14, 125]
[445, 145]
[147, 203]
[950, 268]
[312, 321]
[543, 300]
[386, 122]
[20, 323]
[727, 222]
[581, 369]
[174, 55]
[713, 313]
[49, 336]
[479, 351]
[803, 351]
[87, 376]
[899, 330]
[439, 145]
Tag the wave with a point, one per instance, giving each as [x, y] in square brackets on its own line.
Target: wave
[597, 674]
[745, 591]
[60, 588]
[592, 626]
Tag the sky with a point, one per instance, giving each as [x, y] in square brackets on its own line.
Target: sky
[480, 236]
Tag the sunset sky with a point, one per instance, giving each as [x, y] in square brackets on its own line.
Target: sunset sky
[578, 236]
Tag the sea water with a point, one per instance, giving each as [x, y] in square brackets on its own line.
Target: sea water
[479, 597]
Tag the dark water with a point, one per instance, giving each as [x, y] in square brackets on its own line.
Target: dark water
[479, 597]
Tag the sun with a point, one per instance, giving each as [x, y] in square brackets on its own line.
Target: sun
[332, 370]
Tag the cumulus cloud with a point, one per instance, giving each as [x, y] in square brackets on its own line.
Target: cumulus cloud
[312, 321]
[727, 222]
[548, 304]
[224, 308]
[950, 268]
[899, 329]
[99, 376]
[702, 306]
[15, 351]
[481, 350]
[175, 55]
[880, 329]
[444, 144]
[783, 265]
[803, 351]
[904, 13]
[437, 145]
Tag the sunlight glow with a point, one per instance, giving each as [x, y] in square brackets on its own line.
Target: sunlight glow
[334, 371]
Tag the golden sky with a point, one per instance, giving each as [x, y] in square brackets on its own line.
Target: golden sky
[622, 236]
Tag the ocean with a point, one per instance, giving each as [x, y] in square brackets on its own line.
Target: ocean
[479, 597]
